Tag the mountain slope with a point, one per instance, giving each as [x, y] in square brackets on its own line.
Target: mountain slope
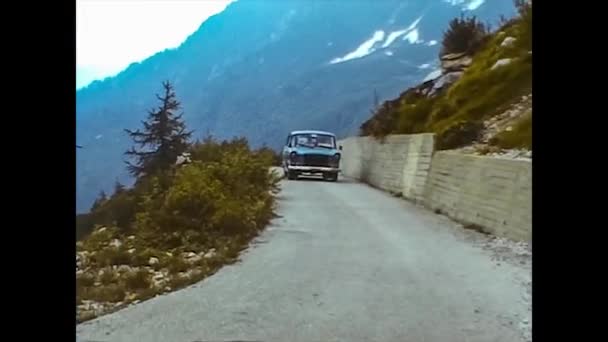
[261, 68]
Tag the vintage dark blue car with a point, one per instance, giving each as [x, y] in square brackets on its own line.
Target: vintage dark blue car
[311, 153]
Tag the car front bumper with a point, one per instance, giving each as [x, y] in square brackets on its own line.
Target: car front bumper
[312, 169]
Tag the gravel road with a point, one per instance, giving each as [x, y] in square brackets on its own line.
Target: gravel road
[345, 262]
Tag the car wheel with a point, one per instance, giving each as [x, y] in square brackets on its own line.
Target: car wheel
[331, 176]
[291, 175]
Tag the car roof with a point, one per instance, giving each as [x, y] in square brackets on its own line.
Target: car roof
[311, 132]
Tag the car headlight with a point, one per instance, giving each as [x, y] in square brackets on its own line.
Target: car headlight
[335, 159]
[293, 157]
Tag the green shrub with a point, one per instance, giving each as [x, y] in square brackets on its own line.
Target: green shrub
[108, 277]
[519, 137]
[84, 280]
[463, 35]
[458, 134]
[111, 293]
[111, 256]
[137, 280]
[176, 265]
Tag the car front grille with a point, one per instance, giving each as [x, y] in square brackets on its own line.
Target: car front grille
[316, 160]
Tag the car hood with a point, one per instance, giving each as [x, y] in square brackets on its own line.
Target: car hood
[317, 150]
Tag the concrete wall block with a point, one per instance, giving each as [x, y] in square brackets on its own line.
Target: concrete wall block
[491, 192]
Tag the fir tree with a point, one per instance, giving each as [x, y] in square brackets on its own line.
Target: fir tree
[99, 201]
[163, 138]
[118, 188]
[463, 35]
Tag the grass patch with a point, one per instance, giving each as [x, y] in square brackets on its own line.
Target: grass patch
[110, 293]
[138, 280]
[519, 137]
[111, 256]
[176, 265]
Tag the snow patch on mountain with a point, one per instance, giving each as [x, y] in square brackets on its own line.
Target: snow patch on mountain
[413, 37]
[396, 34]
[474, 4]
[469, 5]
[363, 50]
[392, 37]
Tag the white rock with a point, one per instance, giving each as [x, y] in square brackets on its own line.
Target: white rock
[210, 254]
[116, 243]
[124, 268]
[153, 261]
[169, 254]
[131, 237]
[447, 79]
[79, 272]
[501, 62]
[508, 42]
[101, 230]
[509, 129]
[131, 251]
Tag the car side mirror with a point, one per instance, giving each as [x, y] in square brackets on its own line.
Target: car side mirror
[340, 147]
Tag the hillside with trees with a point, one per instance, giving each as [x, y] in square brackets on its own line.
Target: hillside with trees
[192, 208]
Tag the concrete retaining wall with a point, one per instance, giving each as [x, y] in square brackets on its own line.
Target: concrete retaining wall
[399, 165]
[493, 193]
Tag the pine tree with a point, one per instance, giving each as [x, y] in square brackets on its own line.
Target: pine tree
[118, 188]
[163, 138]
[463, 35]
[99, 201]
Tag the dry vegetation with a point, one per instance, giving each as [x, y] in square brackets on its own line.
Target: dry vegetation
[174, 229]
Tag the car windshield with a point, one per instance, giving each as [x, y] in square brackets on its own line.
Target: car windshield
[315, 140]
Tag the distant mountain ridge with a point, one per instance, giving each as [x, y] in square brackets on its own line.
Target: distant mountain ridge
[262, 68]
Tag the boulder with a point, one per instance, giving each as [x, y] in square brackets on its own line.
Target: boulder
[124, 268]
[210, 253]
[184, 158]
[131, 251]
[115, 243]
[445, 80]
[501, 62]
[455, 62]
[507, 42]
[153, 261]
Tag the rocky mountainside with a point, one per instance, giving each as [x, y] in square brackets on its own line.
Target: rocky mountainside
[261, 68]
[479, 101]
